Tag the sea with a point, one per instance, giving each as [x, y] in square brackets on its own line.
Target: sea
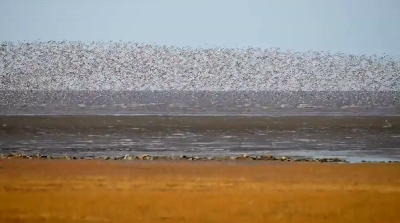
[354, 126]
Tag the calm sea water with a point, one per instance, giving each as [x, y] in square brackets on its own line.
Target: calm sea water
[351, 125]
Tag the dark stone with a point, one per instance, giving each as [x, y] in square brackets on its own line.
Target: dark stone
[15, 154]
[269, 157]
[128, 157]
[144, 157]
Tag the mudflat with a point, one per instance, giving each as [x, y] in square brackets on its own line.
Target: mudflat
[197, 191]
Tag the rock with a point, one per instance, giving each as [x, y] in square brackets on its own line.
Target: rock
[233, 158]
[245, 156]
[45, 157]
[144, 157]
[326, 160]
[190, 158]
[303, 160]
[128, 157]
[183, 157]
[16, 154]
[269, 157]
[284, 158]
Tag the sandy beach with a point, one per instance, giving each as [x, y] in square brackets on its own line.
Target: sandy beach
[184, 191]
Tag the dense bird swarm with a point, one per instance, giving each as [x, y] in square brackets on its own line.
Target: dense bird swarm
[133, 66]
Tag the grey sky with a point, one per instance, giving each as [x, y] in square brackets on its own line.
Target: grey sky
[350, 26]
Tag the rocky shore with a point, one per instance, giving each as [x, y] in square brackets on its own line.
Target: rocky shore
[147, 157]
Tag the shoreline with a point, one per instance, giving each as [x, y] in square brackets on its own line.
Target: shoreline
[147, 157]
[155, 158]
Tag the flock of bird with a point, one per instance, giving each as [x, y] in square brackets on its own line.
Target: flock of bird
[73, 65]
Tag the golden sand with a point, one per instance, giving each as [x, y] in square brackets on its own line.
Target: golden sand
[123, 191]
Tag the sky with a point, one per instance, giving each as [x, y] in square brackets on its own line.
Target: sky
[348, 26]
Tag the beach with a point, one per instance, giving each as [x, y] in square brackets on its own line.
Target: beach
[42, 190]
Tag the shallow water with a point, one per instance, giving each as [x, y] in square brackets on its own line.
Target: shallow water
[267, 103]
[174, 124]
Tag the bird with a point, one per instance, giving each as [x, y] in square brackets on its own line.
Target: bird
[389, 125]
